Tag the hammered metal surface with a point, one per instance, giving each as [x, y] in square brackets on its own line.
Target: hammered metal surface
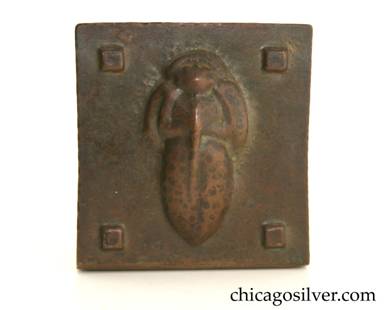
[192, 145]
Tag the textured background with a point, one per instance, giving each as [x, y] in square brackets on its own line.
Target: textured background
[120, 169]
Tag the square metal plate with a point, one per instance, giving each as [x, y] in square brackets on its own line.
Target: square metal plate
[192, 145]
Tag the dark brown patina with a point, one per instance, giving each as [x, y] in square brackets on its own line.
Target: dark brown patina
[192, 145]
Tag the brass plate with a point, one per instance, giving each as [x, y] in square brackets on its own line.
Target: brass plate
[192, 145]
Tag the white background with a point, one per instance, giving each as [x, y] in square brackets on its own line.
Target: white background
[38, 171]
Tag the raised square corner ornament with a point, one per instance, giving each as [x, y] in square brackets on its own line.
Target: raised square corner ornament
[192, 145]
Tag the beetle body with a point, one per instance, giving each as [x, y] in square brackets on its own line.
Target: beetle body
[198, 116]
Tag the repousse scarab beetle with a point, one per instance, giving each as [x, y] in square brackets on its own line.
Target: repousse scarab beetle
[198, 118]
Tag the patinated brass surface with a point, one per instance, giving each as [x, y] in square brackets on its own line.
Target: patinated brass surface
[192, 145]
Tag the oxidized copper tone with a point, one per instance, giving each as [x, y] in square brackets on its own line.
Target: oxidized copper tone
[192, 145]
[200, 114]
